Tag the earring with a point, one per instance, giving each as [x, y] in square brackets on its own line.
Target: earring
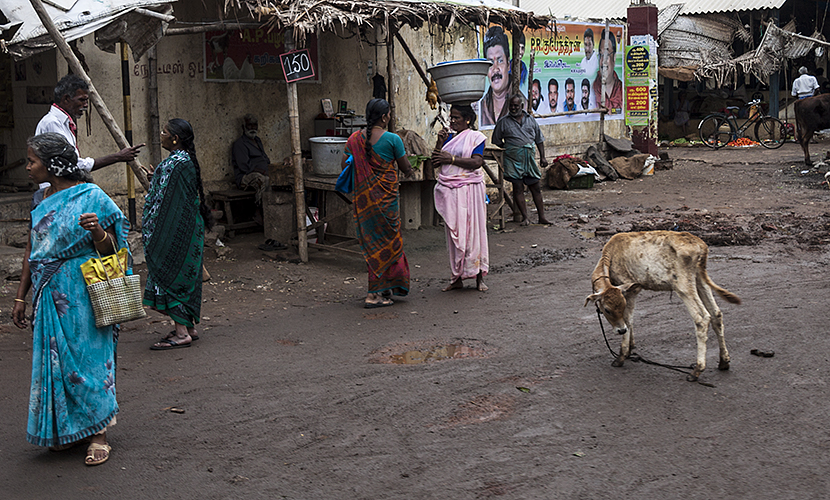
[174, 141]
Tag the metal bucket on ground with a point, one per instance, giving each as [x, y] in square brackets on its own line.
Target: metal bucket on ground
[326, 154]
[461, 82]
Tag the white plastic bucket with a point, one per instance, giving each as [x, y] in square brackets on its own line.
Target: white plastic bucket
[326, 155]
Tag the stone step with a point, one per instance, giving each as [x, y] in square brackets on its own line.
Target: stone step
[11, 262]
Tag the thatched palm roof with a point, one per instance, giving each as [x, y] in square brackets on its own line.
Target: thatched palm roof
[306, 16]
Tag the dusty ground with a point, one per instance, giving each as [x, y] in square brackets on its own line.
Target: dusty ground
[295, 391]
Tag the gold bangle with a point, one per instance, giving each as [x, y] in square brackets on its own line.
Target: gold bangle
[20, 300]
[106, 235]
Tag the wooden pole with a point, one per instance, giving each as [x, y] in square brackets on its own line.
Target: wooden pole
[601, 102]
[153, 105]
[297, 157]
[516, 64]
[128, 128]
[94, 97]
[412, 58]
[390, 74]
[530, 81]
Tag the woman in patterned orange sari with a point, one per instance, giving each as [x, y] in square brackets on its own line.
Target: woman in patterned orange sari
[376, 154]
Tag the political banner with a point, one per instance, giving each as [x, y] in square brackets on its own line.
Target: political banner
[567, 60]
[250, 55]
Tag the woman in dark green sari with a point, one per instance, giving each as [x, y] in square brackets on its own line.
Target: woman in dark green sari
[173, 231]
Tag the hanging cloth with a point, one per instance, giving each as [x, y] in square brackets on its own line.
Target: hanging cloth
[379, 90]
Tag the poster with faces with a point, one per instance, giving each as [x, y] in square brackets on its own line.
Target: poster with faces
[569, 63]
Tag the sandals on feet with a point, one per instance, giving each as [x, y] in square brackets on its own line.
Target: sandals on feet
[382, 303]
[173, 334]
[90, 453]
[171, 344]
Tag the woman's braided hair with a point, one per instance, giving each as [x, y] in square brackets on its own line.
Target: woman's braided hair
[184, 131]
[375, 110]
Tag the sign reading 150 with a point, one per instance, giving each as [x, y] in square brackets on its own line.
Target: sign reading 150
[296, 65]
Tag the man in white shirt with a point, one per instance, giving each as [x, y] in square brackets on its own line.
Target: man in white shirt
[71, 99]
[805, 85]
[589, 63]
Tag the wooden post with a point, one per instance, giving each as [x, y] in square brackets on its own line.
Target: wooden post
[390, 72]
[516, 63]
[601, 102]
[128, 129]
[153, 105]
[297, 157]
[530, 81]
[94, 97]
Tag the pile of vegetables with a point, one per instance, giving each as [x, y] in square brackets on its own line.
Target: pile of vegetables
[742, 142]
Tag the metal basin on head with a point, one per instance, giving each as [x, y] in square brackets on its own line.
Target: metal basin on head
[461, 82]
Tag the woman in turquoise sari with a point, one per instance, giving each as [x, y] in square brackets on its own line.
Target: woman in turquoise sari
[173, 231]
[378, 155]
[72, 397]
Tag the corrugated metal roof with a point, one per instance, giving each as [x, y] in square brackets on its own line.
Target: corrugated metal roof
[617, 9]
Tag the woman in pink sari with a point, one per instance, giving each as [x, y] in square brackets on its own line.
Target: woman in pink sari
[460, 197]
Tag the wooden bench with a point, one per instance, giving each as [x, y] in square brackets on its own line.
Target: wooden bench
[243, 202]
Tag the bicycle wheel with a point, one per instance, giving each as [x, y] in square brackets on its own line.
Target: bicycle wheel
[771, 132]
[714, 131]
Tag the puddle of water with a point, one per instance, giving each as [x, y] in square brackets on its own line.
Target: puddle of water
[438, 353]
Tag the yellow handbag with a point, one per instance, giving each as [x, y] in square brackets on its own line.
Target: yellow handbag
[96, 270]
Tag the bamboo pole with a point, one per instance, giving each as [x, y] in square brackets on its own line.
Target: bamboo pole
[390, 73]
[602, 87]
[190, 30]
[530, 70]
[297, 158]
[412, 58]
[128, 128]
[94, 97]
[516, 63]
[153, 105]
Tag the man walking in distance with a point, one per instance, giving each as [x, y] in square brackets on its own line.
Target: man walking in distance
[71, 99]
[805, 85]
[517, 132]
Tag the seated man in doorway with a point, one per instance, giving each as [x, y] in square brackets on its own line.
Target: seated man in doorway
[250, 163]
[250, 169]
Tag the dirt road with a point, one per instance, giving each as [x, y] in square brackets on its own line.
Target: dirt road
[293, 390]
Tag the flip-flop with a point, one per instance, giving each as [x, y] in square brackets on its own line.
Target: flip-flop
[373, 305]
[173, 334]
[171, 344]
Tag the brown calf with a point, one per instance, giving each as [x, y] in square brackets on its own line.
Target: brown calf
[659, 260]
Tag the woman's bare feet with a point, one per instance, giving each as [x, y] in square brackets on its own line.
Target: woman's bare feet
[455, 285]
[525, 222]
[544, 221]
[480, 286]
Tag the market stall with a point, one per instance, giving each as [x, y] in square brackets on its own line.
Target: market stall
[384, 19]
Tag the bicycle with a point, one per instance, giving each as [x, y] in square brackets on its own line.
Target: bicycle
[718, 129]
